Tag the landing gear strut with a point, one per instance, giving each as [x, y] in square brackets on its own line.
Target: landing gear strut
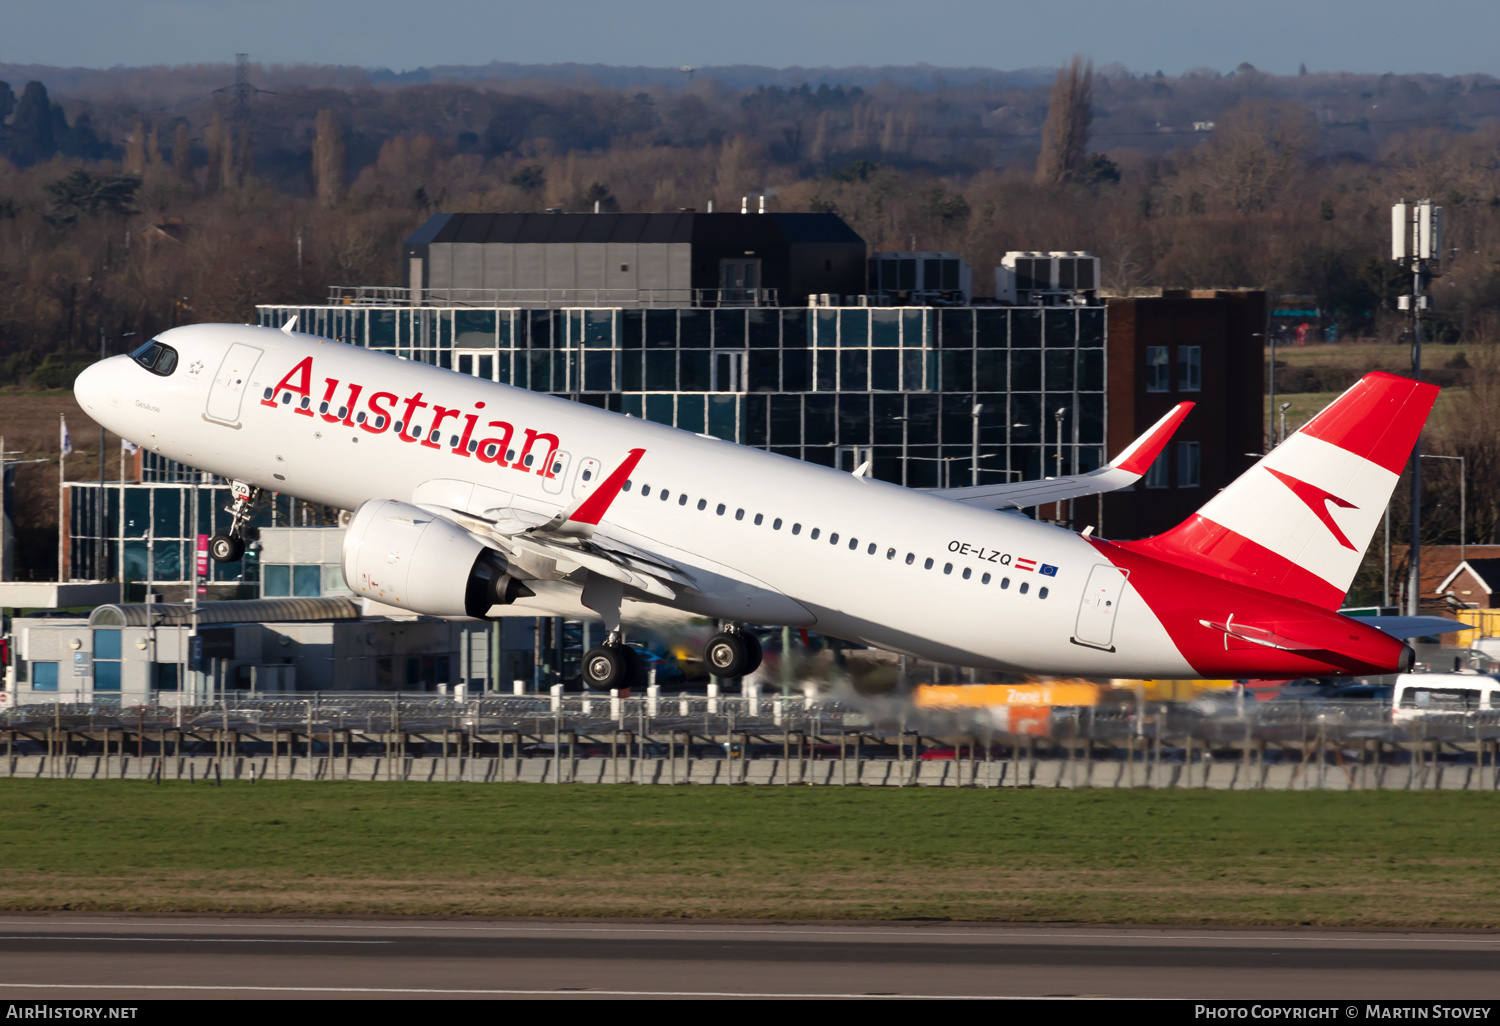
[230, 546]
[733, 652]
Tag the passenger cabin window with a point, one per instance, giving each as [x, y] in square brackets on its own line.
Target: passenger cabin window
[814, 534]
[156, 357]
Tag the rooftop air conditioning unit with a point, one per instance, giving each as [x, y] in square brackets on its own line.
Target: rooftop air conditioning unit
[1051, 278]
[921, 277]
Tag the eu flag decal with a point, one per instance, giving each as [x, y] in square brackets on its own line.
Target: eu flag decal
[1048, 570]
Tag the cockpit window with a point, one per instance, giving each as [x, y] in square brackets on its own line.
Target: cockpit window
[156, 357]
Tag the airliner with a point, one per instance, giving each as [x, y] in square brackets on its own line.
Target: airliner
[474, 499]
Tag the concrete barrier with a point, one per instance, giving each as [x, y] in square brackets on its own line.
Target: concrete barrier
[1230, 775]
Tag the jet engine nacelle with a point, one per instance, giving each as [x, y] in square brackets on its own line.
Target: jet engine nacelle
[404, 556]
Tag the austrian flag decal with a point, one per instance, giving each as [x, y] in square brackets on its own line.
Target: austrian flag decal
[1025, 564]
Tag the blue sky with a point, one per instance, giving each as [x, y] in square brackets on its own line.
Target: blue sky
[1460, 36]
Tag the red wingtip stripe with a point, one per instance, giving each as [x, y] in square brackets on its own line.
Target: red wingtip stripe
[593, 508]
[1379, 418]
[1139, 461]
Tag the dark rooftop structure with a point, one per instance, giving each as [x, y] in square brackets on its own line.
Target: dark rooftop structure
[681, 259]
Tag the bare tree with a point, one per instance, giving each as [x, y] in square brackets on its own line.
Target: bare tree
[213, 143]
[1065, 134]
[328, 160]
[135, 149]
[1254, 151]
[182, 153]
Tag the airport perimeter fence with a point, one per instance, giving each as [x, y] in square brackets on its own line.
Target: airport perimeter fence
[735, 739]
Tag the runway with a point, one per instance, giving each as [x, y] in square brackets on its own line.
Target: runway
[86, 957]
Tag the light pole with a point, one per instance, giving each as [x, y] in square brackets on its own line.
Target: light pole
[1416, 243]
[1270, 337]
[1058, 415]
[974, 454]
[99, 547]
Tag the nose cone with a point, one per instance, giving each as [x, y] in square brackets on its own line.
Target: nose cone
[91, 388]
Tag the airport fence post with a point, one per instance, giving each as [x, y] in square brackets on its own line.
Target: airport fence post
[1153, 773]
[1072, 743]
[1088, 749]
[786, 753]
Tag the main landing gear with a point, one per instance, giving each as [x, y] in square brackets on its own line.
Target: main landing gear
[613, 666]
[733, 652]
[230, 546]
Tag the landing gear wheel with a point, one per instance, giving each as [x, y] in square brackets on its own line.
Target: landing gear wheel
[728, 654]
[225, 548]
[640, 674]
[752, 654]
[608, 667]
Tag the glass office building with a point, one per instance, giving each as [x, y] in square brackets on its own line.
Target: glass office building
[927, 394]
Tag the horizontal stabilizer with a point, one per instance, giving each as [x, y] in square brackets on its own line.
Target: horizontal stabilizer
[1126, 469]
[1413, 626]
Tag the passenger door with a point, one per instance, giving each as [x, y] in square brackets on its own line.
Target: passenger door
[227, 392]
[1100, 605]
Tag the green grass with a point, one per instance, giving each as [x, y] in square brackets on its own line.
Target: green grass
[1391, 859]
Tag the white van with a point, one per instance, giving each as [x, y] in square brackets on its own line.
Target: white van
[1428, 694]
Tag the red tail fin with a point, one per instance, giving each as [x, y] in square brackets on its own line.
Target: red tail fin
[1299, 521]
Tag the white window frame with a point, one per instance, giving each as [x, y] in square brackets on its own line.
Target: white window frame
[1189, 465]
[1158, 369]
[1189, 368]
[1157, 475]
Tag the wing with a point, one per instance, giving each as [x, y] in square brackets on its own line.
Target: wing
[1128, 468]
[559, 544]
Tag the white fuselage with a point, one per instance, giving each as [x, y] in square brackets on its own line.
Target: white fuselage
[906, 572]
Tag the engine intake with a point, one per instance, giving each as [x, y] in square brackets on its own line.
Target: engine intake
[404, 556]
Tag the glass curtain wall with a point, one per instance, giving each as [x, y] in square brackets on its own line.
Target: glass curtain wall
[147, 532]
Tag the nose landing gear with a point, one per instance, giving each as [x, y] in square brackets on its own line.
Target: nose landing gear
[733, 652]
[230, 546]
